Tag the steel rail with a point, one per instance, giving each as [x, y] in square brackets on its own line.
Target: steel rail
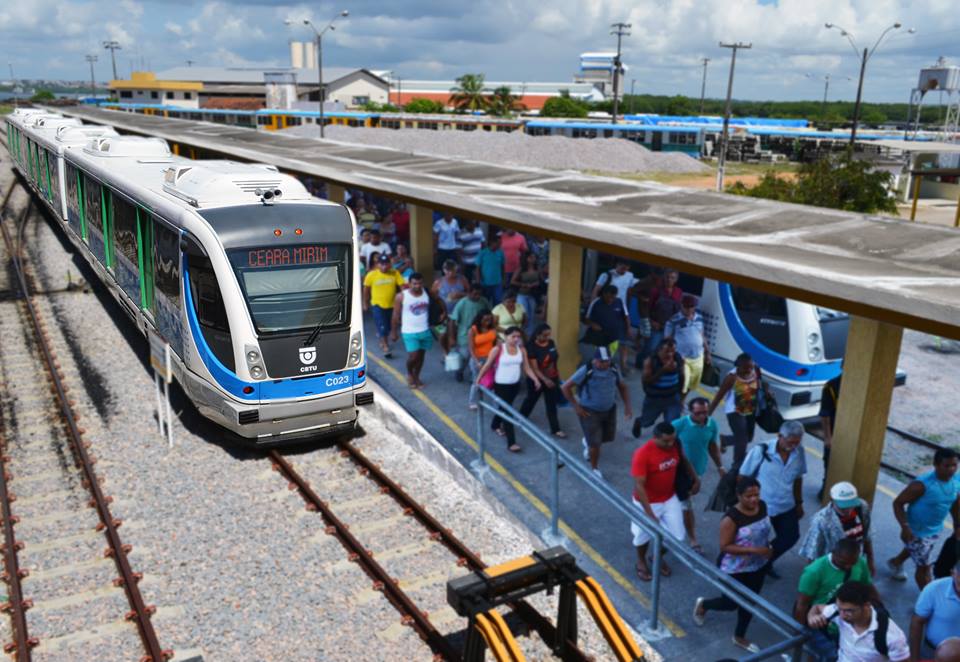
[412, 615]
[906, 436]
[467, 557]
[128, 579]
[16, 605]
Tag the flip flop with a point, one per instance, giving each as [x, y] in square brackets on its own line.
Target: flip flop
[665, 570]
[514, 449]
[644, 575]
[500, 432]
[698, 548]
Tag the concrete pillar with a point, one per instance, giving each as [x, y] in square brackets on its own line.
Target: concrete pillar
[870, 366]
[336, 193]
[563, 302]
[421, 240]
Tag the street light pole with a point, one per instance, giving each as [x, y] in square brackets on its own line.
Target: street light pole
[113, 46]
[619, 29]
[703, 83]
[93, 81]
[826, 88]
[633, 82]
[722, 160]
[13, 80]
[864, 58]
[319, 34]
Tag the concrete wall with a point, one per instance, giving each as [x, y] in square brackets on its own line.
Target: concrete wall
[146, 96]
[357, 88]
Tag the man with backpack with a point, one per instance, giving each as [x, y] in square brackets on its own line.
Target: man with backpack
[781, 465]
[820, 582]
[846, 516]
[865, 631]
[595, 403]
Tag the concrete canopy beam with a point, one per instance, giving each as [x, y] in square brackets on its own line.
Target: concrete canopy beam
[869, 370]
[563, 301]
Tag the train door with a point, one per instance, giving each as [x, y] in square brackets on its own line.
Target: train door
[656, 143]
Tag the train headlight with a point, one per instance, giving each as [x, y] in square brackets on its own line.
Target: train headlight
[256, 372]
[356, 349]
[354, 358]
[253, 356]
[814, 354]
[355, 342]
[813, 338]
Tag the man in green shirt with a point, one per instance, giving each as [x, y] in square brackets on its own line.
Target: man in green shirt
[819, 583]
[461, 318]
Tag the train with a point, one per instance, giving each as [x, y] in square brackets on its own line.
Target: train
[251, 281]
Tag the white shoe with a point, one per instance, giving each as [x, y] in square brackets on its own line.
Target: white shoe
[896, 571]
[597, 473]
[586, 449]
[698, 618]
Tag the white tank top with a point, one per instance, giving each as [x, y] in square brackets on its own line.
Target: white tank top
[508, 367]
[414, 316]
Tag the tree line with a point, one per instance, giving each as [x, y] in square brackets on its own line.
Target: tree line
[470, 94]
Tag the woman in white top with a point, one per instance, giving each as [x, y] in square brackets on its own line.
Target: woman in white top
[509, 361]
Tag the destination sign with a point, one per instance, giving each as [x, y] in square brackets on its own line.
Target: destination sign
[258, 258]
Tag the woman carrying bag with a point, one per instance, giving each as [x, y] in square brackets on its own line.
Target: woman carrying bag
[740, 393]
[745, 535]
[543, 361]
[507, 363]
[482, 338]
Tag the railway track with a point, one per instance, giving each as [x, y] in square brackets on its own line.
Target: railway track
[398, 544]
[79, 596]
[814, 430]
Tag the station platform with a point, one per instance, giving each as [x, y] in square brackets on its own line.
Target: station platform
[600, 538]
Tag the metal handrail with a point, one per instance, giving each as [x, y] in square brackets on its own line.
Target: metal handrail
[770, 614]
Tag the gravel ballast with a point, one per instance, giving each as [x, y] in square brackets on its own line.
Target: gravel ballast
[516, 148]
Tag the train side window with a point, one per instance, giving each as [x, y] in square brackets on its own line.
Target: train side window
[94, 222]
[106, 213]
[54, 175]
[209, 308]
[166, 263]
[73, 198]
[765, 316]
[125, 258]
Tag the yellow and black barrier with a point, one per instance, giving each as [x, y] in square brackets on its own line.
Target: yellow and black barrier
[477, 596]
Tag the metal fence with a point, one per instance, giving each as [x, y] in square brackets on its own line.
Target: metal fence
[795, 635]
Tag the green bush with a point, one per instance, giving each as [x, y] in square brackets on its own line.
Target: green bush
[43, 95]
[421, 105]
[564, 106]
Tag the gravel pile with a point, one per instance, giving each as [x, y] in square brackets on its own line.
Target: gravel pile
[237, 567]
[550, 152]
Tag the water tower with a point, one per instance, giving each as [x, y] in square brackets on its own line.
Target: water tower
[941, 78]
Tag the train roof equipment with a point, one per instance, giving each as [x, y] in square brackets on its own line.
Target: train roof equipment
[221, 183]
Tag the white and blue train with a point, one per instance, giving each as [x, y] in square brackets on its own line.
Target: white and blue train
[252, 282]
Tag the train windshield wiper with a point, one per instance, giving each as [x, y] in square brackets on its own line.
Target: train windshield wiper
[341, 295]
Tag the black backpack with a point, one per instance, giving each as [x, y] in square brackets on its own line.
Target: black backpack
[883, 626]
[726, 493]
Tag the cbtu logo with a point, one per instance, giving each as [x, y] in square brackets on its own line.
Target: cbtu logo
[308, 355]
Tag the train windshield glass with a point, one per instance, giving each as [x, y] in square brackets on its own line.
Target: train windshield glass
[292, 288]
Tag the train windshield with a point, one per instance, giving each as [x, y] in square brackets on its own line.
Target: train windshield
[293, 288]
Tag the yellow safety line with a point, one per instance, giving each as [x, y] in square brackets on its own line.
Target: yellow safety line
[506, 636]
[578, 540]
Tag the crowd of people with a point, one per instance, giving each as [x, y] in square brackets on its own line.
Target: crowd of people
[486, 308]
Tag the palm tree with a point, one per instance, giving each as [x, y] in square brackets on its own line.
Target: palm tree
[468, 94]
[502, 102]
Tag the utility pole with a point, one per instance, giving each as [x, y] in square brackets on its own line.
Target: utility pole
[721, 161]
[319, 35]
[633, 81]
[619, 29]
[856, 107]
[93, 81]
[13, 80]
[703, 83]
[113, 47]
[826, 88]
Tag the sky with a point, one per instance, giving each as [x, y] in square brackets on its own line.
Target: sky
[515, 40]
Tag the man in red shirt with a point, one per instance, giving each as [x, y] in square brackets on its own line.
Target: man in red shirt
[654, 470]
[514, 245]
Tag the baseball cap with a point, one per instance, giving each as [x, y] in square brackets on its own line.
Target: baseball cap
[602, 354]
[844, 495]
[383, 257]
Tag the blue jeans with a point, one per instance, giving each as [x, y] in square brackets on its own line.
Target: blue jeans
[654, 407]
[493, 293]
[529, 303]
[382, 318]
